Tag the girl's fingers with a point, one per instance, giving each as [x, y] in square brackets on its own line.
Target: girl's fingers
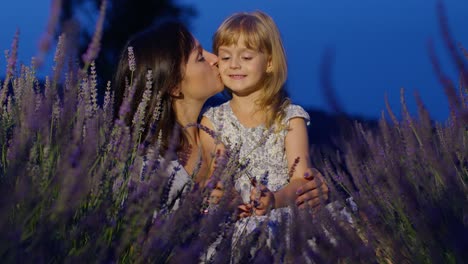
[263, 188]
[244, 215]
[244, 208]
[260, 211]
[263, 192]
[219, 186]
[215, 196]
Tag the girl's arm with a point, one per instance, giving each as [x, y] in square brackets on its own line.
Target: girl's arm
[306, 187]
[297, 155]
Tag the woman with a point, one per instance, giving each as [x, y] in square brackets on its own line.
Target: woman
[181, 76]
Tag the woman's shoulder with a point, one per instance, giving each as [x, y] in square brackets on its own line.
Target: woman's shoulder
[293, 111]
[171, 166]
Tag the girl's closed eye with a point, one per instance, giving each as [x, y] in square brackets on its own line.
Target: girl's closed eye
[247, 55]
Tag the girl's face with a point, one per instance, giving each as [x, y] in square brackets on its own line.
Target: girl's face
[242, 70]
[201, 78]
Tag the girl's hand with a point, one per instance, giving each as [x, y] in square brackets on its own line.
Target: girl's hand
[314, 192]
[244, 210]
[216, 193]
[262, 199]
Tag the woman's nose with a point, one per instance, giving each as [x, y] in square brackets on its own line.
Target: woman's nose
[211, 58]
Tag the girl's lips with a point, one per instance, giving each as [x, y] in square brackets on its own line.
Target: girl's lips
[237, 76]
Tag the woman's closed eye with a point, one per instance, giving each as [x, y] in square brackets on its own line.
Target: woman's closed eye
[200, 57]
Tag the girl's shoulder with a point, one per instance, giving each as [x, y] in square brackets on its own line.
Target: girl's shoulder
[293, 111]
[211, 111]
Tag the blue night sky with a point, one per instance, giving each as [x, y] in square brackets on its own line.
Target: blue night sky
[380, 46]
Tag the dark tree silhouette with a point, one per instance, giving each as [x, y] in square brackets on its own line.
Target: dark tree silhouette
[123, 19]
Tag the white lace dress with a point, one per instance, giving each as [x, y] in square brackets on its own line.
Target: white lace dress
[179, 181]
[181, 184]
[262, 152]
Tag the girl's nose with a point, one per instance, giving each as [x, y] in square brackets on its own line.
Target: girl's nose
[234, 63]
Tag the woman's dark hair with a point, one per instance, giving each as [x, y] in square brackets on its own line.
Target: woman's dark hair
[163, 49]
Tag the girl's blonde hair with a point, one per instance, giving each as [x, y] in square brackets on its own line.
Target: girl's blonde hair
[260, 33]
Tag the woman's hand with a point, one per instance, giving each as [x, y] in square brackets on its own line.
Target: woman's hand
[314, 192]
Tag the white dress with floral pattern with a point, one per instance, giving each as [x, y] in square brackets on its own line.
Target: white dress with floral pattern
[262, 151]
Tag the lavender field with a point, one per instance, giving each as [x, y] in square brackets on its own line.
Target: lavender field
[74, 190]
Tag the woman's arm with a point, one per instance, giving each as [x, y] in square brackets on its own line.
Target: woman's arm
[210, 147]
[314, 192]
[213, 148]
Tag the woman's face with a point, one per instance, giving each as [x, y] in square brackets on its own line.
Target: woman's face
[201, 78]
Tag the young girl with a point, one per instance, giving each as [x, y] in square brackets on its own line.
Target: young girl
[268, 131]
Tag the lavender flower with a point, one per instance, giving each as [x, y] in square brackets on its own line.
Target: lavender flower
[157, 113]
[11, 64]
[139, 117]
[59, 58]
[108, 102]
[94, 47]
[93, 88]
[46, 40]
[131, 59]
